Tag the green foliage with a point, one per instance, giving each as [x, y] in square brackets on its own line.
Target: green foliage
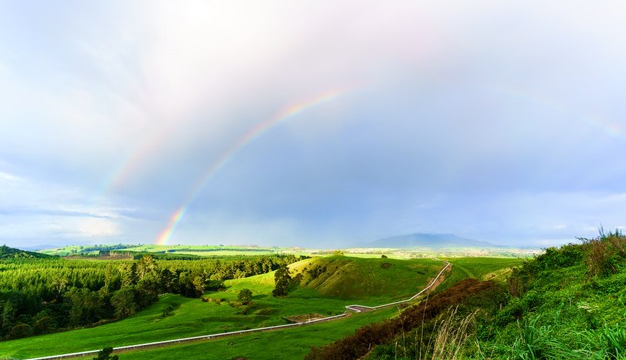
[193, 317]
[605, 254]
[282, 279]
[42, 294]
[105, 354]
[7, 253]
[245, 296]
[615, 338]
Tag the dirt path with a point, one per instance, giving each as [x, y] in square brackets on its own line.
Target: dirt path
[351, 309]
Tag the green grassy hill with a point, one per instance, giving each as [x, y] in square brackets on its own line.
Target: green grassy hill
[11, 253]
[344, 277]
[568, 303]
[326, 294]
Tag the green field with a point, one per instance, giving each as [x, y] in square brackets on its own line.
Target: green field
[345, 281]
[274, 345]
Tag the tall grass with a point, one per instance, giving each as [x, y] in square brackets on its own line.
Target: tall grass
[615, 342]
[605, 253]
[452, 335]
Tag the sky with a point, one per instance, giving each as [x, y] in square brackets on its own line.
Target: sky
[310, 123]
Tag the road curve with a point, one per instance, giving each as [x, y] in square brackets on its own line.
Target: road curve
[354, 308]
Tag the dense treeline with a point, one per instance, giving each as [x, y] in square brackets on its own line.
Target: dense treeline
[38, 296]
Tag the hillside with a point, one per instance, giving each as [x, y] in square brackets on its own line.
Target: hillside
[565, 304]
[12, 253]
[428, 241]
[345, 277]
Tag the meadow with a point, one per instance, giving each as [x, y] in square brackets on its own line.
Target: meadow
[566, 304]
[328, 294]
[327, 285]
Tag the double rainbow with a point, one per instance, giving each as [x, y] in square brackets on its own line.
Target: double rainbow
[288, 112]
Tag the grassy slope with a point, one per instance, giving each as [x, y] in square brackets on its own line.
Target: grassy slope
[295, 344]
[193, 317]
[564, 314]
[373, 280]
[478, 268]
[275, 345]
[565, 310]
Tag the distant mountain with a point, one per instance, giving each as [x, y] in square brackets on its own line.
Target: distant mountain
[429, 241]
[11, 253]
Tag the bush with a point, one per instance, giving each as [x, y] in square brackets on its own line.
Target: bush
[605, 253]
[20, 331]
[105, 354]
[245, 296]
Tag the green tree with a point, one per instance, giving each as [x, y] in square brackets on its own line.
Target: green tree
[124, 302]
[245, 296]
[147, 267]
[282, 279]
[105, 354]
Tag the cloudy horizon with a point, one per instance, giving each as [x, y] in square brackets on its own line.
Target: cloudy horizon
[322, 124]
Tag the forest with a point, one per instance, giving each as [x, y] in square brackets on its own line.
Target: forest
[43, 294]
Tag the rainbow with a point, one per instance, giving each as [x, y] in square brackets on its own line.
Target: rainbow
[287, 112]
[130, 164]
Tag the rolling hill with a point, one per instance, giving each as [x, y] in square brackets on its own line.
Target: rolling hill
[12, 253]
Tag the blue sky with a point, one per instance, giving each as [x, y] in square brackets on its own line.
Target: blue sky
[503, 122]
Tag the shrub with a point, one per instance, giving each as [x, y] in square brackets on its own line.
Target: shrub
[168, 311]
[105, 354]
[20, 331]
[245, 296]
[605, 253]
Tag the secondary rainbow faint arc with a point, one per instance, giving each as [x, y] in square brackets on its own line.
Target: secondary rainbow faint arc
[252, 134]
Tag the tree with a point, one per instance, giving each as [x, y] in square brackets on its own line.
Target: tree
[105, 354]
[147, 267]
[129, 274]
[245, 296]
[124, 302]
[282, 278]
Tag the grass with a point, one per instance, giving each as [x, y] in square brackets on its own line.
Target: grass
[275, 345]
[478, 268]
[345, 281]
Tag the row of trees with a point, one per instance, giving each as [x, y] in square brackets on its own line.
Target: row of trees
[45, 295]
